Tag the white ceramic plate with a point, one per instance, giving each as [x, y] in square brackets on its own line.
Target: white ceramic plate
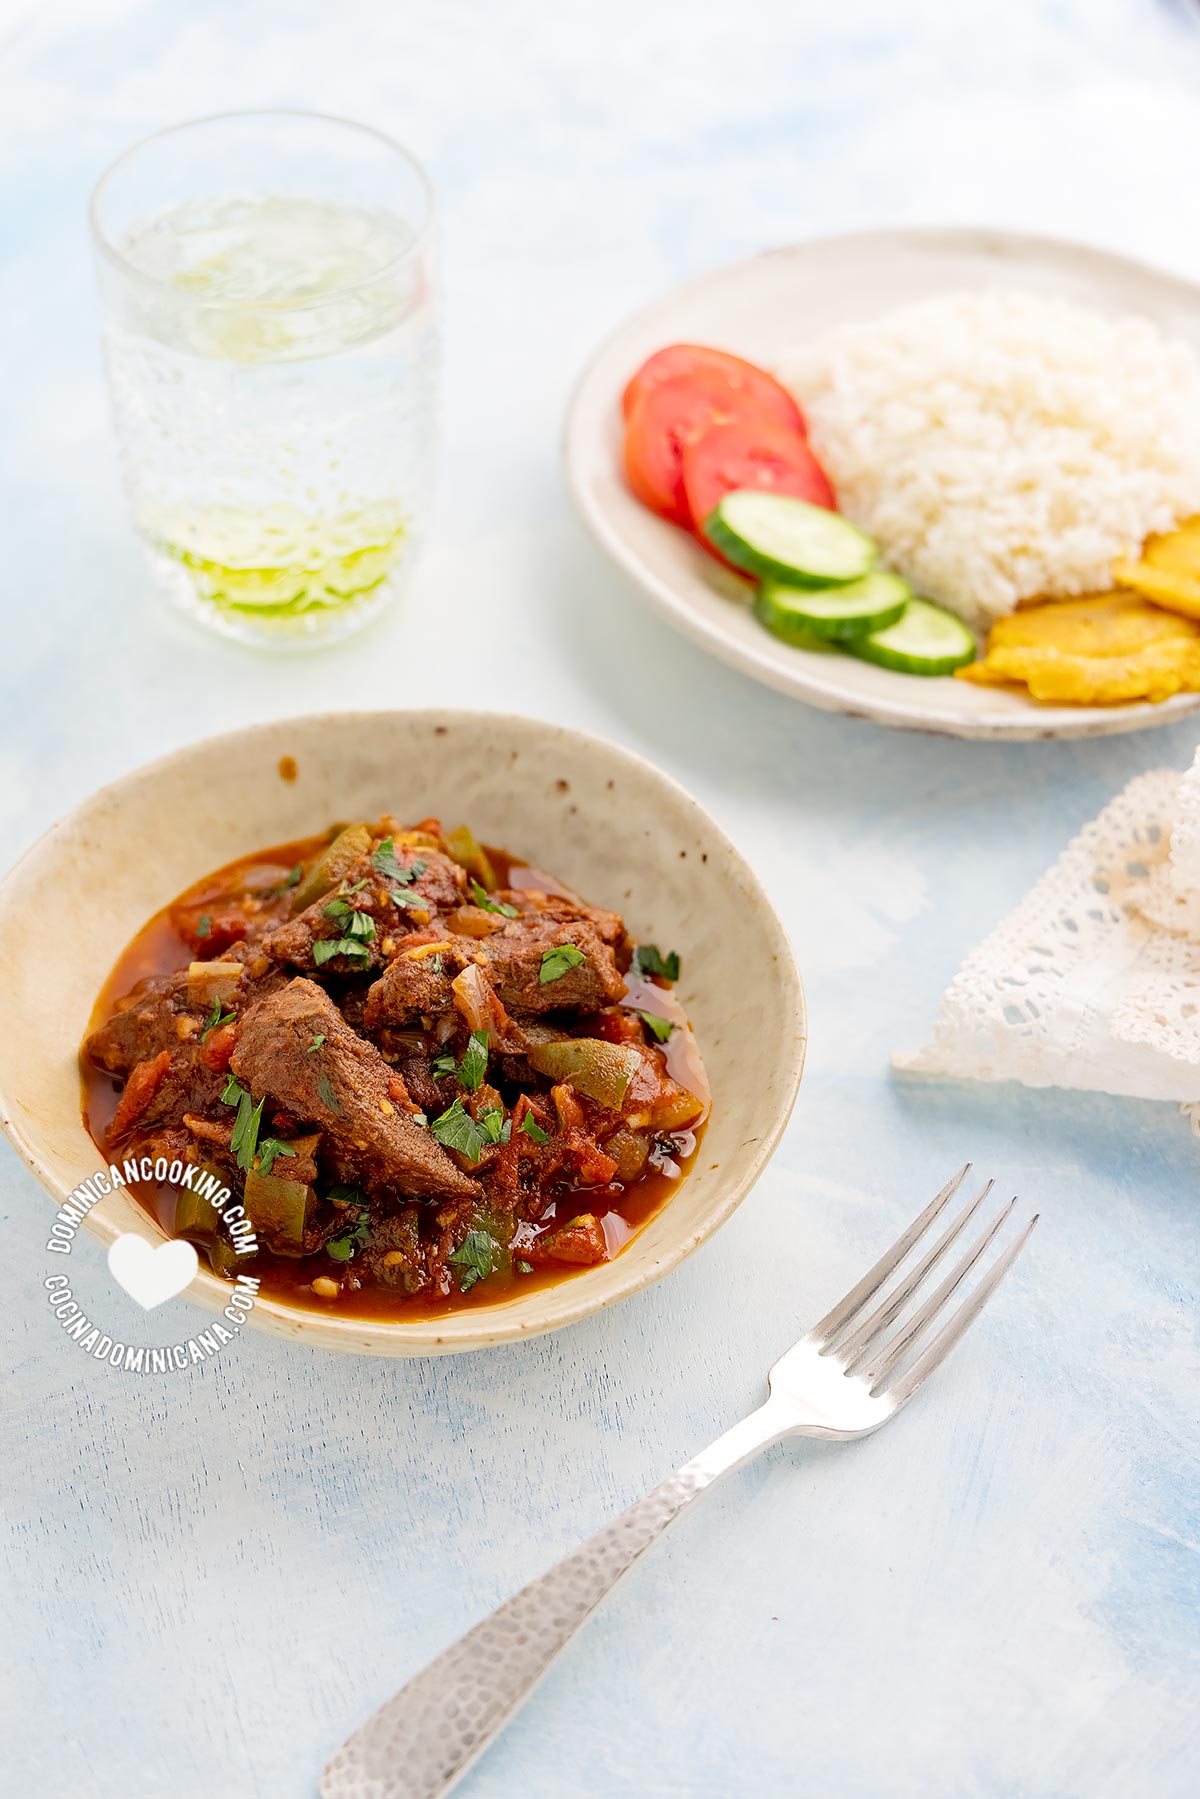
[763, 308]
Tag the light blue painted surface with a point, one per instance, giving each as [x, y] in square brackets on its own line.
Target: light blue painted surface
[212, 1577]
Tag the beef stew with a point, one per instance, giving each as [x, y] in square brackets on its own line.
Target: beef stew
[425, 1070]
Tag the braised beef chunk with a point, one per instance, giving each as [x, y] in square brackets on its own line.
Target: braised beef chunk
[411, 1074]
[170, 1011]
[421, 1084]
[369, 910]
[155, 1017]
[608, 925]
[531, 979]
[417, 983]
[395, 1254]
[296, 1049]
[519, 959]
[439, 881]
[160, 1092]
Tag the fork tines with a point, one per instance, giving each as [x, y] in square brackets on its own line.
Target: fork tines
[866, 1344]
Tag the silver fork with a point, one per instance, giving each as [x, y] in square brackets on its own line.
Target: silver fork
[848, 1375]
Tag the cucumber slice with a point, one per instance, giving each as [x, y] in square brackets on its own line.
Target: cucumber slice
[925, 640]
[850, 610]
[789, 540]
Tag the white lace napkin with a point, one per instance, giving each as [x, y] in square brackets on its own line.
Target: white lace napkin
[1094, 981]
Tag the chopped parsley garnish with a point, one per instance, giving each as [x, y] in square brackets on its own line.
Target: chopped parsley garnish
[268, 1149]
[353, 886]
[473, 1066]
[456, 1129]
[532, 1128]
[204, 925]
[476, 1256]
[487, 904]
[436, 963]
[661, 1027]
[234, 1091]
[353, 922]
[556, 961]
[383, 860]
[524, 1267]
[327, 1094]
[350, 947]
[244, 1141]
[649, 959]
[316, 1043]
[493, 1122]
[443, 1065]
[413, 901]
[342, 1195]
[216, 1019]
[358, 929]
[350, 1238]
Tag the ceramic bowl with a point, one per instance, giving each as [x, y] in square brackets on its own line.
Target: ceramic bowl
[599, 817]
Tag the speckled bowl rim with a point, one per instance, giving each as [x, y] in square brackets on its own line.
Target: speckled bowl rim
[572, 1300]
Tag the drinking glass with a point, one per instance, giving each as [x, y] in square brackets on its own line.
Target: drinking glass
[266, 293]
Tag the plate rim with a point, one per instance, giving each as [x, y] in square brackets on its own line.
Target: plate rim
[1046, 725]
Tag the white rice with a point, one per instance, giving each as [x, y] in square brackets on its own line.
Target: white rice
[1000, 445]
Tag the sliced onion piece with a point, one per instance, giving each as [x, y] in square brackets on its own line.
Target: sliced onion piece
[630, 1150]
[682, 1052]
[208, 982]
[473, 921]
[479, 1004]
[474, 996]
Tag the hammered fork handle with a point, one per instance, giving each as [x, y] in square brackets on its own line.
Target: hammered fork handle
[418, 1744]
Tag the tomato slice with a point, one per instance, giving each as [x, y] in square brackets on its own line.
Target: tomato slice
[666, 418]
[679, 361]
[754, 454]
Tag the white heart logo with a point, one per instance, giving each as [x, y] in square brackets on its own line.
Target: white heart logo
[148, 1274]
